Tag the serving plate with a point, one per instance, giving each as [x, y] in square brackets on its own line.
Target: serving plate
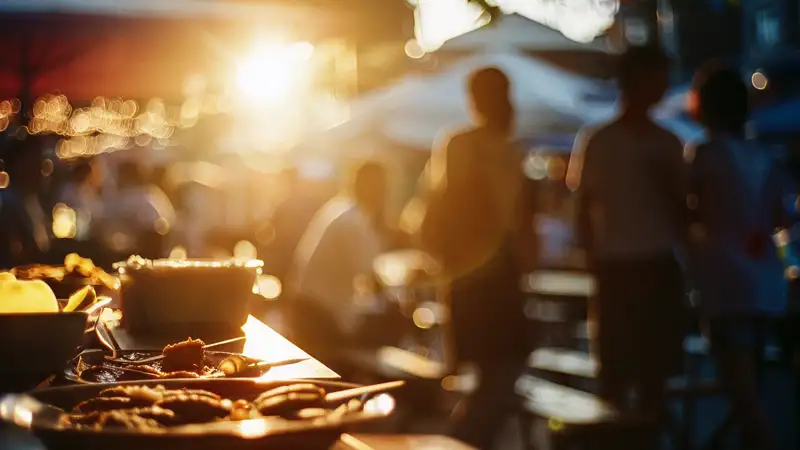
[110, 372]
[269, 433]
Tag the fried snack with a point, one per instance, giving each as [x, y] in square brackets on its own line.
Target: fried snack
[139, 395]
[103, 404]
[179, 374]
[288, 404]
[194, 408]
[97, 418]
[127, 420]
[306, 388]
[200, 392]
[188, 356]
[79, 420]
[243, 410]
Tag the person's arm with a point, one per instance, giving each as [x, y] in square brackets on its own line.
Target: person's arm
[676, 175]
[526, 226]
[694, 159]
[445, 173]
[576, 182]
[783, 193]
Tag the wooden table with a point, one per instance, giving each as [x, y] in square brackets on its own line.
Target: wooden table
[263, 343]
[398, 442]
[16, 439]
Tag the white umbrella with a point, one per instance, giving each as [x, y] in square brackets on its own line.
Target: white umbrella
[414, 110]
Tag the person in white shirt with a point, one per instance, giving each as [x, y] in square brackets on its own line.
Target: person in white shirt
[629, 174]
[337, 251]
[739, 192]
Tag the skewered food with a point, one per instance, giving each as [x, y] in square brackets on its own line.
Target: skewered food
[184, 356]
[185, 359]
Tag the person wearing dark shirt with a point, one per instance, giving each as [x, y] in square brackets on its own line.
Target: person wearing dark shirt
[629, 175]
[23, 229]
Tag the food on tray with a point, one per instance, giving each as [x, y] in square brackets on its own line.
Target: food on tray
[144, 408]
[185, 359]
[21, 296]
[75, 273]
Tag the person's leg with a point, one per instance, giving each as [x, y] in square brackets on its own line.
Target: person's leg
[660, 332]
[611, 337]
[733, 344]
[481, 416]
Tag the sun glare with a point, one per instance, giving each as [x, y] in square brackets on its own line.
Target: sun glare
[269, 75]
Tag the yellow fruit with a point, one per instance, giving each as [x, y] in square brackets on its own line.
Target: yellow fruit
[7, 276]
[27, 297]
[85, 296]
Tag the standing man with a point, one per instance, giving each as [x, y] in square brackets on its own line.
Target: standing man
[629, 176]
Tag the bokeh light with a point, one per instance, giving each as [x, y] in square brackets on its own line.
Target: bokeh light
[65, 222]
[759, 80]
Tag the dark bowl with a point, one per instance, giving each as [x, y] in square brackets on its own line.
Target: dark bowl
[317, 434]
[166, 294]
[37, 345]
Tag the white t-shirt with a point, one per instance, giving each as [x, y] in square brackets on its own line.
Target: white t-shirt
[634, 178]
[339, 245]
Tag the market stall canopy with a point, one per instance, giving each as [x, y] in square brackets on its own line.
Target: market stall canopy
[145, 48]
[415, 109]
[514, 31]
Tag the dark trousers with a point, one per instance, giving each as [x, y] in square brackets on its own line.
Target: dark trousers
[490, 331]
[737, 344]
[640, 313]
[479, 418]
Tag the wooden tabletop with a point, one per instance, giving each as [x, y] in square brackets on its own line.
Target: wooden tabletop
[399, 442]
[16, 439]
[262, 342]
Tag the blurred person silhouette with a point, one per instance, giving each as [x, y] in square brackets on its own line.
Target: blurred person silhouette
[82, 194]
[288, 222]
[555, 230]
[479, 225]
[739, 193]
[630, 179]
[336, 251]
[24, 236]
[140, 215]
